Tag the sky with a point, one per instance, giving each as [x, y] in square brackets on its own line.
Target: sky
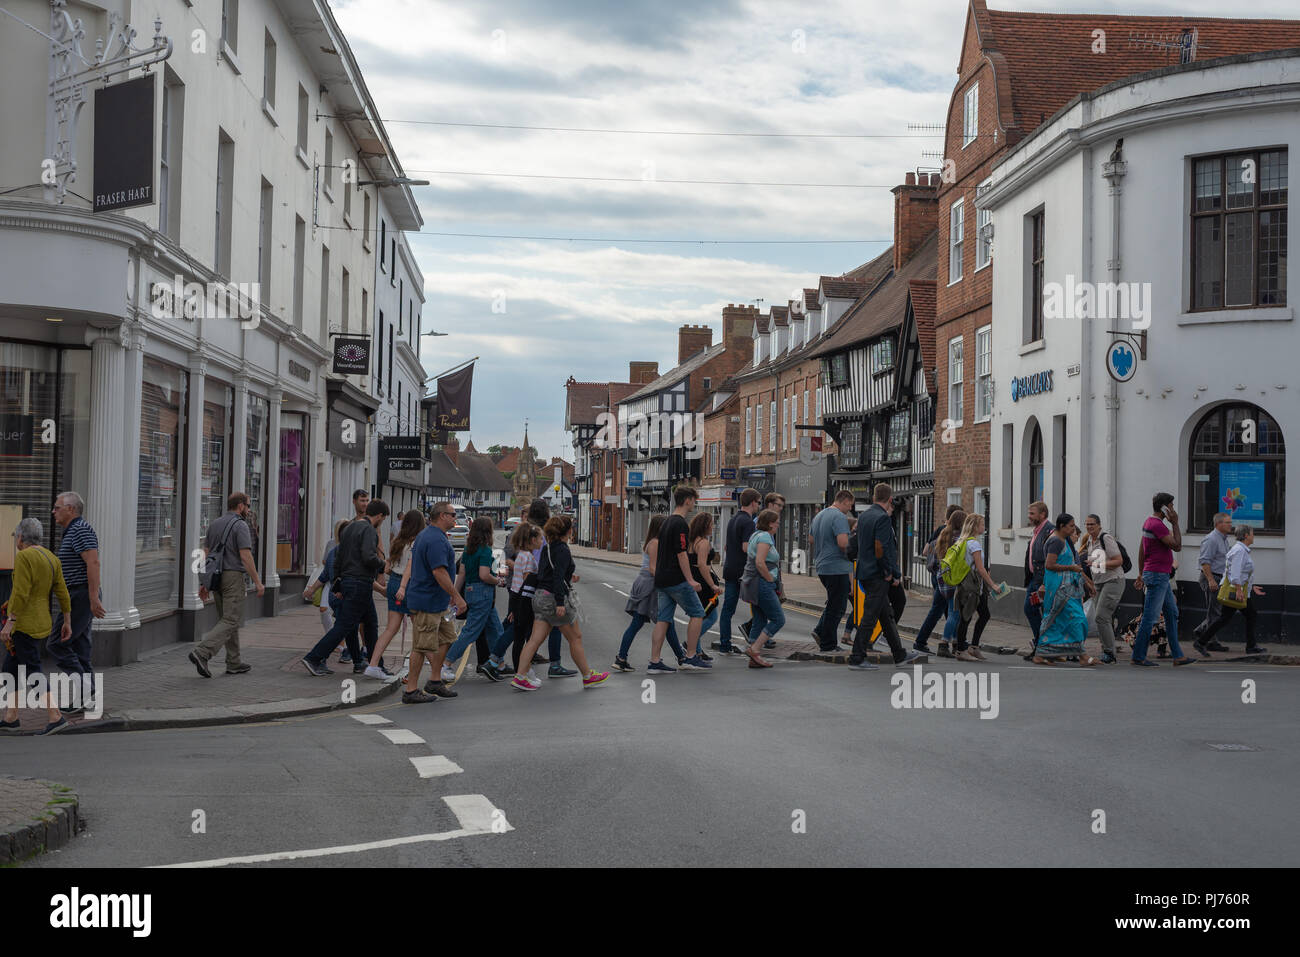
[538, 310]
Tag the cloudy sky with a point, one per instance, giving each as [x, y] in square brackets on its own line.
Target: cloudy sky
[863, 67]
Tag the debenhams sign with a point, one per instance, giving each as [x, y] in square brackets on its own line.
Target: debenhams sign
[124, 155]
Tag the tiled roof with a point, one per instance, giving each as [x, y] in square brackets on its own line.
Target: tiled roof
[833, 287]
[678, 373]
[923, 296]
[762, 323]
[583, 401]
[810, 302]
[1048, 60]
[444, 474]
[780, 316]
[484, 476]
[618, 391]
[874, 271]
[509, 461]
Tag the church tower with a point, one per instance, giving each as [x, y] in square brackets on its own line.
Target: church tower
[525, 476]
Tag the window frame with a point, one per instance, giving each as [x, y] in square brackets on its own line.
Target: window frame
[1195, 458]
[960, 381]
[983, 226]
[984, 381]
[956, 240]
[1035, 263]
[970, 116]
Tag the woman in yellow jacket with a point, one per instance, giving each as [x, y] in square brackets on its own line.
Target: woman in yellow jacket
[37, 575]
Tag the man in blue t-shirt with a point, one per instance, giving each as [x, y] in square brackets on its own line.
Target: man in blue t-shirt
[830, 536]
[434, 603]
[739, 530]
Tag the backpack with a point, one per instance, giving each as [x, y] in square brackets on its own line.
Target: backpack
[954, 566]
[213, 563]
[1128, 562]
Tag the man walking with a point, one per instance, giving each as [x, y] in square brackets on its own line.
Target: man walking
[739, 530]
[434, 603]
[360, 501]
[357, 562]
[1156, 559]
[79, 556]
[877, 571]
[938, 603]
[1035, 566]
[676, 585]
[830, 535]
[1106, 564]
[230, 538]
[1212, 558]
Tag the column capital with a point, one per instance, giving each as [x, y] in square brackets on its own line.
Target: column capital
[139, 337]
[118, 335]
[242, 383]
[275, 396]
[199, 363]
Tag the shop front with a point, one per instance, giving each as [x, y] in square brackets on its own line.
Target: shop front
[804, 488]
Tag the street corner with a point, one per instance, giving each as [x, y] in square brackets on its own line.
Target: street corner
[36, 817]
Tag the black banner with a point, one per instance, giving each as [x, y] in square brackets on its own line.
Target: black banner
[352, 355]
[16, 435]
[439, 436]
[346, 436]
[124, 155]
[453, 400]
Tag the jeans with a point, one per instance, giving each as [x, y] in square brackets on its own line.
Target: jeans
[837, 588]
[1108, 596]
[682, 595]
[938, 609]
[507, 637]
[730, 599]
[1225, 615]
[876, 607]
[1213, 610]
[356, 608]
[1159, 596]
[768, 614]
[638, 621]
[482, 622]
[73, 656]
[1034, 613]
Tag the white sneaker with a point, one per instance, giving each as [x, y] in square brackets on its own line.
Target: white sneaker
[532, 676]
[373, 671]
[448, 674]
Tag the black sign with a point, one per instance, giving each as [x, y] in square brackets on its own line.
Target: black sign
[394, 448]
[759, 479]
[453, 400]
[439, 436]
[403, 465]
[352, 355]
[124, 156]
[16, 435]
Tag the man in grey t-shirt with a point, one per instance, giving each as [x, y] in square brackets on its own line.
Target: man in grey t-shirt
[230, 534]
[830, 539]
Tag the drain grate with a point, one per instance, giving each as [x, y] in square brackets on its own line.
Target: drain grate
[1233, 747]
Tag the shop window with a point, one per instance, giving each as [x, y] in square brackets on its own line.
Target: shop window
[158, 504]
[1237, 465]
[290, 539]
[213, 455]
[255, 420]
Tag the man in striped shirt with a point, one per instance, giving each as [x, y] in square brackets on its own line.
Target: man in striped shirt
[79, 556]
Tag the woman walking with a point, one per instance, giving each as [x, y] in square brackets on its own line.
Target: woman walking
[553, 605]
[524, 542]
[324, 582]
[970, 593]
[1106, 562]
[399, 559]
[37, 576]
[703, 555]
[480, 585]
[951, 533]
[764, 571]
[643, 605]
[1239, 570]
[1065, 626]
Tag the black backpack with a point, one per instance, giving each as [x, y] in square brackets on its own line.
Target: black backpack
[1128, 562]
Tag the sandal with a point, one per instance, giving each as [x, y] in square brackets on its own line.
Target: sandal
[1039, 660]
[759, 662]
[1087, 661]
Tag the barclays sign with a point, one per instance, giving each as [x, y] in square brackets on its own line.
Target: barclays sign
[1031, 385]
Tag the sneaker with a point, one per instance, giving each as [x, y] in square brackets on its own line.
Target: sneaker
[1184, 660]
[377, 673]
[1257, 650]
[695, 664]
[769, 644]
[54, 727]
[540, 659]
[595, 678]
[345, 658]
[73, 712]
[534, 677]
[1201, 649]
[963, 655]
[620, 664]
[658, 667]
[202, 666]
[417, 697]
[744, 628]
[729, 650]
[239, 669]
[1217, 646]
[704, 655]
[1144, 663]
[865, 665]
[922, 647]
[523, 684]
[558, 670]
[439, 689]
[489, 672]
[460, 667]
[359, 669]
[911, 658]
[448, 674]
[10, 725]
[945, 650]
[319, 671]
[1107, 658]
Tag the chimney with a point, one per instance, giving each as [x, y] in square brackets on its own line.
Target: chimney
[916, 215]
[452, 448]
[738, 330]
[692, 339]
[640, 373]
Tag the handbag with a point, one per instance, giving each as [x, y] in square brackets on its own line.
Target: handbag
[1228, 595]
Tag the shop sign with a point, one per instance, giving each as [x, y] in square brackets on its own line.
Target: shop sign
[1034, 384]
[351, 355]
[635, 479]
[124, 155]
[16, 435]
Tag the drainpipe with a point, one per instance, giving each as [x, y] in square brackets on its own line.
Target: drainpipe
[1113, 172]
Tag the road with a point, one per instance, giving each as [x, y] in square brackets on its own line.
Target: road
[719, 769]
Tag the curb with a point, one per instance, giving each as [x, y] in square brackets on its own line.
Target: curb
[58, 825]
[160, 718]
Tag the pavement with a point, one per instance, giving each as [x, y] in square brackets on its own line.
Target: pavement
[35, 817]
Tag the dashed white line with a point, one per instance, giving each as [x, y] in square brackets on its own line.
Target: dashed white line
[623, 593]
[402, 736]
[371, 719]
[435, 765]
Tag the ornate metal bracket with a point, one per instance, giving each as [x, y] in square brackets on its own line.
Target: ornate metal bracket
[70, 74]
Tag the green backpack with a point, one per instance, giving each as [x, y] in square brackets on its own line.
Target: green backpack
[953, 567]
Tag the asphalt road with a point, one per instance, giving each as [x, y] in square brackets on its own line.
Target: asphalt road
[720, 769]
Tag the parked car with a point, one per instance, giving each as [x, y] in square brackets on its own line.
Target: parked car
[458, 534]
[513, 522]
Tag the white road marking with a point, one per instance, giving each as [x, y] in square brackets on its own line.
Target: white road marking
[623, 593]
[1049, 668]
[402, 736]
[1244, 671]
[436, 765]
[371, 719]
[607, 584]
[474, 813]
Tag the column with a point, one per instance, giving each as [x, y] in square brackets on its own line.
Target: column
[239, 439]
[319, 474]
[191, 540]
[106, 495]
[131, 472]
[271, 533]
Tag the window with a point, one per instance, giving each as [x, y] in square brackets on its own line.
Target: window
[954, 496]
[265, 215]
[970, 123]
[1035, 311]
[1008, 470]
[268, 70]
[383, 244]
[324, 308]
[158, 505]
[1239, 223]
[925, 419]
[749, 418]
[328, 173]
[1035, 466]
[983, 374]
[805, 406]
[303, 111]
[771, 432]
[956, 235]
[365, 310]
[882, 356]
[230, 24]
[707, 383]
[224, 202]
[983, 229]
[169, 164]
[785, 422]
[851, 445]
[819, 406]
[348, 189]
[299, 261]
[1059, 467]
[758, 428]
[899, 432]
[345, 297]
[379, 353]
[877, 448]
[836, 369]
[401, 297]
[955, 408]
[365, 220]
[392, 250]
[1228, 473]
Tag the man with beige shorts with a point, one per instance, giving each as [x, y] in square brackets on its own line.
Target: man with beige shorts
[429, 590]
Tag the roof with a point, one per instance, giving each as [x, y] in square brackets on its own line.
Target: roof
[1045, 69]
[470, 447]
[885, 307]
[836, 287]
[677, 374]
[810, 301]
[875, 270]
[443, 472]
[618, 391]
[586, 401]
[762, 324]
[482, 473]
[780, 316]
[508, 461]
[924, 307]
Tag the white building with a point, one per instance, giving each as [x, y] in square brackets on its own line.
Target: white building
[1190, 212]
[157, 412]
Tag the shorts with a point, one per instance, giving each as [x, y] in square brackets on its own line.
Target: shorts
[395, 582]
[682, 595]
[544, 609]
[434, 630]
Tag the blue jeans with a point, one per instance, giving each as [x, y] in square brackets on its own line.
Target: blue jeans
[730, 599]
[506, 640]
[482, 619]
[1034, 613]
[838, 588]
[938, 609]
[768, 614]
[954, 619]
[682, 595]
[73, 658]
[1158, 597]
[356, 608]
[638, 621]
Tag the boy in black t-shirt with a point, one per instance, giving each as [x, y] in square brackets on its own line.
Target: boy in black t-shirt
[676, 586]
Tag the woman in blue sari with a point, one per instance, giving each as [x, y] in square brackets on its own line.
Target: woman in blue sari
[1065, 626]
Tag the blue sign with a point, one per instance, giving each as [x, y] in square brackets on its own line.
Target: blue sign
[1031, 385]
[1121, 363]
[727, 473]
[635, 479]
[1241, 492]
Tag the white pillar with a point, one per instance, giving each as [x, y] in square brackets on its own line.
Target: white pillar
[239, 439]
[131, 473]
[105, 494]
[317, 477]
[271, 533]
[191, 540]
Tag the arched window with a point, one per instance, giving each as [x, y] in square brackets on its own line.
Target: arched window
[1237, 464]
[1035, 463]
